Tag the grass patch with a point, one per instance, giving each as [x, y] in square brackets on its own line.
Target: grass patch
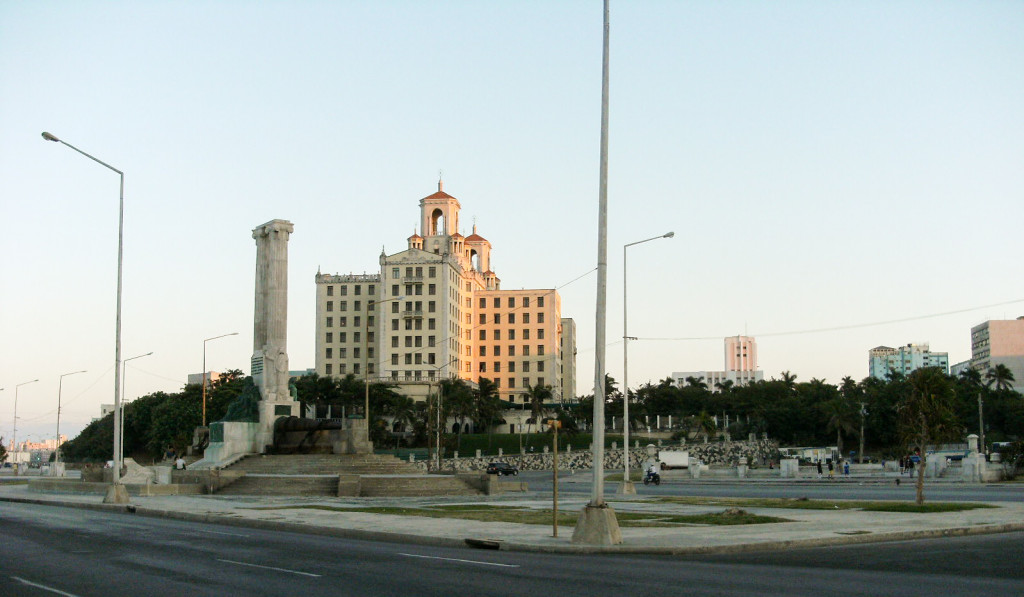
[521, 515]
[806, 504]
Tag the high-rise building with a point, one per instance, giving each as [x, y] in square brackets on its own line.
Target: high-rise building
[882, 360]
[999, 342]
[437, 310]
[740, 365]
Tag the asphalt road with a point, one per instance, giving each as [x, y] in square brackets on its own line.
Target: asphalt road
[48, 550]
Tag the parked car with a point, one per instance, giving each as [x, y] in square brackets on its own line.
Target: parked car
[501, 468]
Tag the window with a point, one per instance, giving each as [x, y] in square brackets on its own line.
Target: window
[408, 272]
[497, 382]
[343, 322]
[408, 341]
[526, 367]
[526, 382]
[497, 318]
[394, 324]
[371, 289]
[355, 337]
[497, 334]
[431, 306]
[394, 306]
[540, 318]
[330, 290]
[394, 341]
[330, 337]
[483, 318]
[483, 303]
[483, 367]
[394, 290]
[433, 271]
[540, 365]
[497, 366]
[497, 302]
[418, 341]
[330, 353]
[358, 306]
[526, 350]
[355, 352]
[394, 273]
[511, 301]
[344, 290]
[511, 366]
[330, 305]
[369, 352]
[540, 301]
[483, 334]
[419, 324]
[526, 334]
[540, 350]
[408, 359]
[408, 290]
[343, 337]
[327, 368]
[511, 382]
[483, 351]
[343, 305]
[370, 338]
[357, 321]
[408, 324]
[419, 271]
[540, 333]
[419, 289]
[418, 360]
[511, 334]
[430, 356]
[512, 318]
[526, 318]
[526, 301]
[497, 351]
[430, 323]
[330, 322]
[359, 290]
[342, 353]
[511, 350]
[432, 289]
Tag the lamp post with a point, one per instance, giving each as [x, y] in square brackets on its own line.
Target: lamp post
[15, 438]
[117, 493]
[60, 387]
[437, 451]
[627, 483]
[204, 369]
[124, 372]
[981, 424]
[370, 309]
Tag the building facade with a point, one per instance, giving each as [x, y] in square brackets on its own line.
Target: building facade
[436, 310]
[904, 360]
[999, 342]
[740, 366]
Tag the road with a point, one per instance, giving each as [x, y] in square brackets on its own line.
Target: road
[49, 550]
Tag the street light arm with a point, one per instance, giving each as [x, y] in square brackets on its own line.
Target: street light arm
[647, 240]
[53, 138]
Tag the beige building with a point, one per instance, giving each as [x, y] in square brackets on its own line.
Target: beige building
[740, 366]
[999, 342]
[437, 310]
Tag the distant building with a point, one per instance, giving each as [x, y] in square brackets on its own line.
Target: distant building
[195, 379]
[999, 342]
[958, 368]
[740, 365]
[437, 310]
[904, 360]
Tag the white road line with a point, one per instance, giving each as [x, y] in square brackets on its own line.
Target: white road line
[412, 555]
[270, 568]
[228, 534]
[43, 587]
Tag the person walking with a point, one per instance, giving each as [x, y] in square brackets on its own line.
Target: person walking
[819, 469]
[846, 468]
[831, 470]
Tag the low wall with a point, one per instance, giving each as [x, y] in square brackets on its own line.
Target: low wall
[724, 453]
[45, 485]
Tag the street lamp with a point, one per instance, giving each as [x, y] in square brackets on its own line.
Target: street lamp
[117, 494]
[60, 387]
[124, 372]
[204, 370]
[437, 451]
[15, 439]
[627, 484]
[370, 308]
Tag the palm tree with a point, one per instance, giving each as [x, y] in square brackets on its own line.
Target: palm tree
[487, 407]
[789, 379]
[403, 410]
[537, 395]
[999, 376]
[842, 417]
[926, 415]
[724, 386]
[704, 425]
[696, 382]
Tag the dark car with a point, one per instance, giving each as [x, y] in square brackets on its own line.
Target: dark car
[501, 468]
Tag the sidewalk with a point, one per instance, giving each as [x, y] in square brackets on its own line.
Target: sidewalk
[810, 528]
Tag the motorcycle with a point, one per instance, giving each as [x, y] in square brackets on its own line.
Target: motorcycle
[652, 477]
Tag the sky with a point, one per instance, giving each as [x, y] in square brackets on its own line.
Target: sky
[838, 176]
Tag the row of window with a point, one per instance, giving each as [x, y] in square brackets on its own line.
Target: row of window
[496, 366]
[357, 290]
[496, 301]
[343, 352]
[496, 350]
[343, 369]
[496, 318]
[414, 271]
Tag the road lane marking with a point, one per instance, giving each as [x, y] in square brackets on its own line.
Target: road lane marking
[271, 568]
[228, 534]
[412, 555]
[43, 587]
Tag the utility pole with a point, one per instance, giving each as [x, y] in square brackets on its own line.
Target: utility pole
[862, 414]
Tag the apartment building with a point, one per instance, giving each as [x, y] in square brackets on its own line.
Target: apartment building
[999, 342]
[883, 359]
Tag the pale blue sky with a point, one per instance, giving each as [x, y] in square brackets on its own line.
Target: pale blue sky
[822, 165]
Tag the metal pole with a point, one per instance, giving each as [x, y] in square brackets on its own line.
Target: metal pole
[116, 478]
[862, 413]
[15, 439]
[554, 513]
[124, 373]
[60, 386]
[366, 357]
[981, 424]
[626, 481]
[204, 369]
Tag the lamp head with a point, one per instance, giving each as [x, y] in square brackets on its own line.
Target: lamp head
[669, 235]
[50, 137]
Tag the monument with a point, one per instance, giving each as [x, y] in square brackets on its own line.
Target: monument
[270, 328]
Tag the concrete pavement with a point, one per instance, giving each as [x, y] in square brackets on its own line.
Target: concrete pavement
[809, 528]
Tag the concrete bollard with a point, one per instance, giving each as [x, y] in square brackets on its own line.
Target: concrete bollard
[478, 453]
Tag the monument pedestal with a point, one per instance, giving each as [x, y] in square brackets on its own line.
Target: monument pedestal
[116, 494]
[270, 412]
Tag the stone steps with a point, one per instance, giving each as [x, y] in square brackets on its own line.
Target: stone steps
[421, 486]
[325, 464]
[283, 485]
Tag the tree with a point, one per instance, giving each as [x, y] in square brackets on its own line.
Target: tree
[537, 395]
[926, 416]
[842, 417]
[3, 451]
[402, 410]
[487, 407]
[1000, 377]
[703, 424]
